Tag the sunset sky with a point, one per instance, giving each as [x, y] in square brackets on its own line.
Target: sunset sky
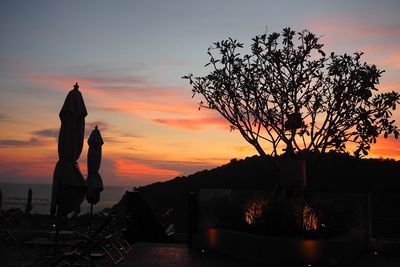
[129, 57]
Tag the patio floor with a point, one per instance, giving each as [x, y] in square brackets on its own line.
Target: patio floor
[178, 255]
[172, 255]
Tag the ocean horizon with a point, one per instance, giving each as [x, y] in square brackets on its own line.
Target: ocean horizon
[15, 196]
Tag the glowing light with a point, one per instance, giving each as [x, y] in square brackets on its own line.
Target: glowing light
[310, 249]
[310, 219]
[212, 237]
[254, 210]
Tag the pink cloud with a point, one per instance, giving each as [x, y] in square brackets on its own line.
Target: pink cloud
[105, 86]
[146, 102]
[143, 108]
[65, 83]
[122, 94]
[346, 25]
[381, 48]
[391, 61]
[385, 55]
[347, 30]
[381, 30]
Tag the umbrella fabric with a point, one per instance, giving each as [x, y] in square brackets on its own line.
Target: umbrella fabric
[69, 186]
[94, 181]
[29, 206]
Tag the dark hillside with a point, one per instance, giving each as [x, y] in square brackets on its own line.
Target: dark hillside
[344, 173]
[252, 172]
[334, 173]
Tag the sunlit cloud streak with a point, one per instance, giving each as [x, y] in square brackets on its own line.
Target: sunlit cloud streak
[116, 86]
[19, 143]
[386, 148]
[385, 56]
[381, 48]
[47, 133]
[392, 61]
[146, 109]
[137, 94]
[194, 124]
[350, 27]
[372, 39]
[126, 169]
[26, 167]
[146, 101]
[183, 167]
[380, 30]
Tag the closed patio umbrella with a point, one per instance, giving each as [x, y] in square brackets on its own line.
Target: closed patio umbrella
[69, 186]
[1, 199]
[94, 181]
[29, 207]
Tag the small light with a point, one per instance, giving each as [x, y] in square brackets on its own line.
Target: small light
[375, 252]
[203, 251]
[323, 225]
[309, 265]
[54, 225]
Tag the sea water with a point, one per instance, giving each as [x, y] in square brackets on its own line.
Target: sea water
[15, 196]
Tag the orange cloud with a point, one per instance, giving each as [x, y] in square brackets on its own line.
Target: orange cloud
[131, 170]
[194, 124]
[386, 148]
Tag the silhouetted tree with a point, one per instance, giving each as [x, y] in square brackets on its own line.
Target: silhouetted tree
[287, 90]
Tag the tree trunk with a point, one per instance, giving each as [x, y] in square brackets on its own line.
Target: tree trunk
[259, 149]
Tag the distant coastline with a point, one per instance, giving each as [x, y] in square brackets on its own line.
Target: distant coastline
[15, 195]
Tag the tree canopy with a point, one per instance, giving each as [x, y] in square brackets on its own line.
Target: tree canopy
[289, 93]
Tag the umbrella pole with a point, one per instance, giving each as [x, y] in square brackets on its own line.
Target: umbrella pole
[90, 217]
[57, 235]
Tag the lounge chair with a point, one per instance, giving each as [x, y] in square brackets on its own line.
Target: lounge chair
[7, 240]
[105, 238]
